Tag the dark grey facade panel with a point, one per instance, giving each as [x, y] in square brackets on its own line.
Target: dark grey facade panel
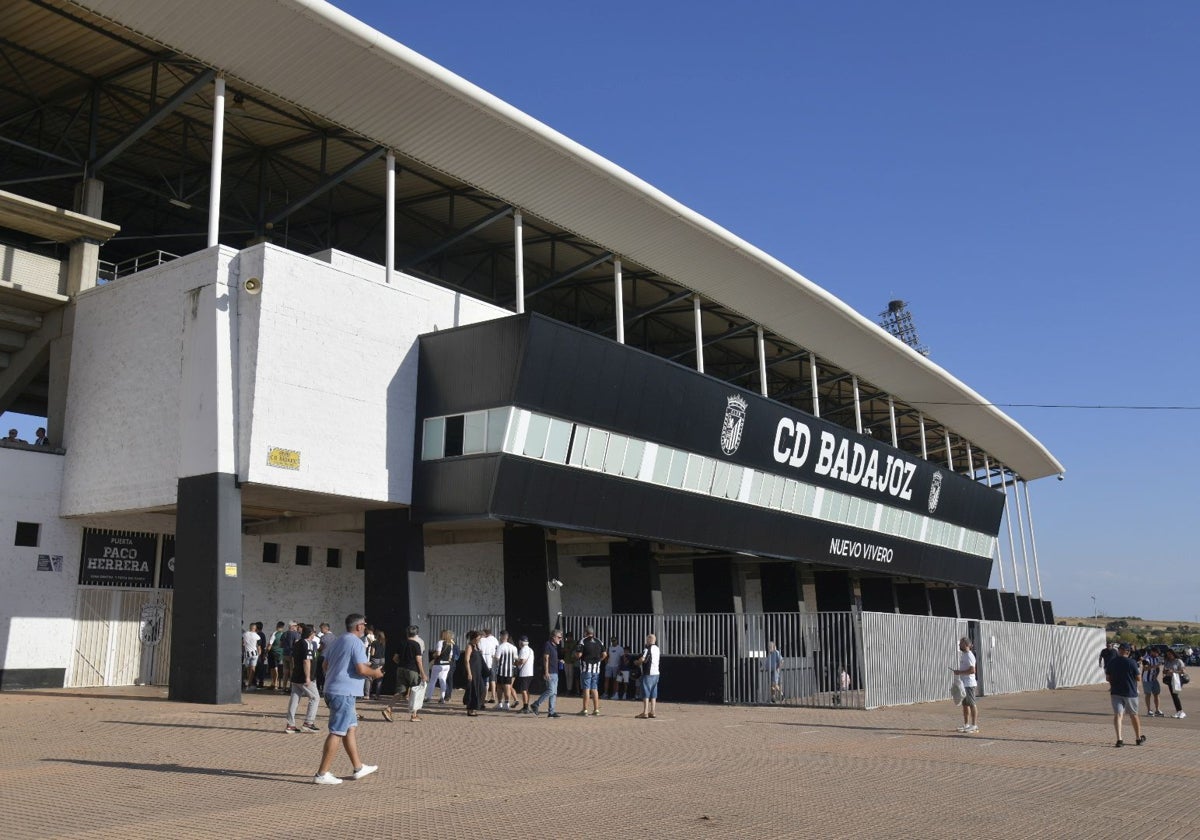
[551, 368]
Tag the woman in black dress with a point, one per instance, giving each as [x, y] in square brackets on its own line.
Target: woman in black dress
[473, 696]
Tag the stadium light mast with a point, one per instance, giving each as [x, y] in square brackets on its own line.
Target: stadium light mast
[898, 321]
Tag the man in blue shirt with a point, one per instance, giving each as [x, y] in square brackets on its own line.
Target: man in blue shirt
[345, 664]
[1122, 674]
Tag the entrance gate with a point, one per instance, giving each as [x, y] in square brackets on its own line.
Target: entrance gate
[122, 637]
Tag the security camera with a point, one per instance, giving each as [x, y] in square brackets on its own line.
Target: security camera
[1060, 476]
[554, 584]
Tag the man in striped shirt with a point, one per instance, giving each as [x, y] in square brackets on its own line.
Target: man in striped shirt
[505, 670]
[591, 655]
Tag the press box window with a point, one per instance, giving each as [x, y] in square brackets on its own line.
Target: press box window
[333, 558]
[27, 534]
[270, 552]
[303, 555]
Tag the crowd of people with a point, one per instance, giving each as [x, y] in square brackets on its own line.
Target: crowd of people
[309, 662]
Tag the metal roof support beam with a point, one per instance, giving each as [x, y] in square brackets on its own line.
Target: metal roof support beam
[662, 304]
[762, 360]
[1012, 545]
[987, 469]
[328, 184]
[218, 149]
[1021, 531]
[696, 319]
[924, 443]
[1033, 542]
[716, 338]
[519, 259]
[458, 237]
[619, 301]
[571, 272]
[858, 426]
[152, 119]
[389, 234]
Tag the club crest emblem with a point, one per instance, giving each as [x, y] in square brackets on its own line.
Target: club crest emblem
[734, 423]
[935, 491]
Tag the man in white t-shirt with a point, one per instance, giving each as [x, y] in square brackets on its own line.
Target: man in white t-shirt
[524, 673]
[251, 650]
[648, 662]
[612, 668]
[487, 647]
[966, 672]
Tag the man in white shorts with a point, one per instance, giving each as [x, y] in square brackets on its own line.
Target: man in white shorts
[612, 668]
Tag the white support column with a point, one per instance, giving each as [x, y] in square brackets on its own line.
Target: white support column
[699, 333]
[892, 417]
[1021, 531]
[389, 232]
[949, 451]
[1037, 569]
[970, 462]
[218, 151]
[519, 259]
[762, 362]
[999, 554]
[619, 300]
[1012, 545]
[857, 404]
[924, 446]
[812, 376]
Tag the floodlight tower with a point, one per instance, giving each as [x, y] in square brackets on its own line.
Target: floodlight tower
[898, 321]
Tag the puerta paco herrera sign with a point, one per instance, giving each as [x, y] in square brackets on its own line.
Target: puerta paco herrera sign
[117, 559]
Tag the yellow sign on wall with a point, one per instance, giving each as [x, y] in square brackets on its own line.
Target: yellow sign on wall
[286, 459]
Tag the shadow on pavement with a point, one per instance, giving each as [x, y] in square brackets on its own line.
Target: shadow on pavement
[179, 768]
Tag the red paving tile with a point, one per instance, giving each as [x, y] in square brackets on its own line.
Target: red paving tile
[127, 764]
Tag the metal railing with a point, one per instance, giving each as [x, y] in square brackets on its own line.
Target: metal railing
[861, 660]
[821, 658]
[459, 625]
[109, 271]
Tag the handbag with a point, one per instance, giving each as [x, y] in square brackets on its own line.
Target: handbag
[956, 691]
[1175, 682]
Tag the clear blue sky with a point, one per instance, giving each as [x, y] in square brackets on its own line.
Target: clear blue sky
[1024, 174]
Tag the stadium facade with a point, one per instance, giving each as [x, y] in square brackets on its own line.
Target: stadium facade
[319, 327]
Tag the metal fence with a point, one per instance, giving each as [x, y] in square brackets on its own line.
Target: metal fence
[821, 660]
[861, 660]
[459, 625]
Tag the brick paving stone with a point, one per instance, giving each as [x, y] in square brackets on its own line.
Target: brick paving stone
[127, 763]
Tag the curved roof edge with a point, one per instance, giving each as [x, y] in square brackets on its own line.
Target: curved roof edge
[398, 98]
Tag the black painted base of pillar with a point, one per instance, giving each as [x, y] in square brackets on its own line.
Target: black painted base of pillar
[206, 636]
[19, 679]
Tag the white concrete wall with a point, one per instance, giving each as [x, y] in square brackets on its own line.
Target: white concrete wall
[37, 609]
[587, 590]
[284, 591]
[465, 579]
[176, 371]
[330, 370]
[125, 397]
[679, 591]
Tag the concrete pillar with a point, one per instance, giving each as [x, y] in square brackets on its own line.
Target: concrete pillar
[394, 588]
[716, 590]
[530, 562]
[780, 587]
[207, 613]
[633, 578]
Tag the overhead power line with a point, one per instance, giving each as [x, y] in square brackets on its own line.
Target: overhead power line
[1077, 406]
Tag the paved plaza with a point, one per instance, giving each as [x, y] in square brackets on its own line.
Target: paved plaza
[127, 763]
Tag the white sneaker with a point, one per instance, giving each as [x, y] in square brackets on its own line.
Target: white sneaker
[971, 728]
[1180, 714]
[365, 770]
[962, 728]
[326, 779]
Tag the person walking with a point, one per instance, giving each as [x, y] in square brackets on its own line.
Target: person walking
[303, 684]
[410, 672]
[1174, 676]
[774, 668]
[1151, 668]
[524, 665]
[966, 673]
[442, 660]
[1122, 675]
[377, 657]
[648, 662]
[345, 664]
[550, 674]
